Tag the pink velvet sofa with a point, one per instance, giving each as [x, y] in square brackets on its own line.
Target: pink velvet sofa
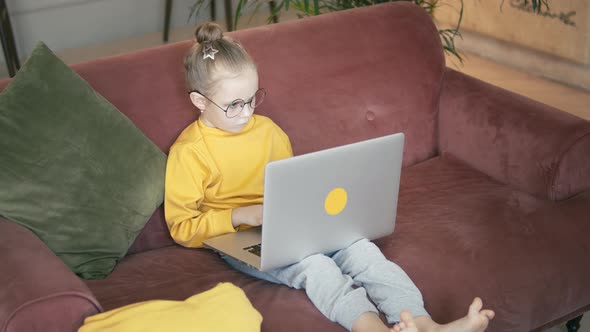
[494, 198]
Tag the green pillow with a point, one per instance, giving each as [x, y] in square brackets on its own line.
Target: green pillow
[73, 169]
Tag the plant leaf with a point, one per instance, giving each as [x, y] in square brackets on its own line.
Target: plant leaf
[258, 5]
[195, 9]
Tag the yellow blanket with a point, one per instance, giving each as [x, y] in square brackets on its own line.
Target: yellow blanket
[222, 308]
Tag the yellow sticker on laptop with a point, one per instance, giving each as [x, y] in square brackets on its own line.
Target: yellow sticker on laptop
[336, 201]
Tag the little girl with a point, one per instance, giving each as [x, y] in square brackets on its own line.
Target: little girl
[214, 185]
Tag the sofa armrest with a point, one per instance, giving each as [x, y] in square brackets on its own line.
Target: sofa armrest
[515, 140]
[38, 292]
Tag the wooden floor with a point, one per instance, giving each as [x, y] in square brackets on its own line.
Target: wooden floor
[560, 96]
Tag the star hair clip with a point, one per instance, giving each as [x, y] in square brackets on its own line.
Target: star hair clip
[209, 52]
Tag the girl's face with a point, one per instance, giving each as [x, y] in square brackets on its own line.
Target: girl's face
[229, 89]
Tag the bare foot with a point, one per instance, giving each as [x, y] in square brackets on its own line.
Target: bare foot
[477, 320]
[406, 323]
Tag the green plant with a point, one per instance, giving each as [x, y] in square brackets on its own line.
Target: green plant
[306, 8]
[537, 4]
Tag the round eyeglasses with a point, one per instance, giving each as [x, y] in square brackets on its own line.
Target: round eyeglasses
[235, 107]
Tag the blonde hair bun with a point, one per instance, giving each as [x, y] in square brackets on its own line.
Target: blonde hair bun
[208, 32]
[203, 70]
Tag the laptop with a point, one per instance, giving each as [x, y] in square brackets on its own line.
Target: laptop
[321, 202]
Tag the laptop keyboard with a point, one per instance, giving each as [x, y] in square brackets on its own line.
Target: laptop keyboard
[255, 249]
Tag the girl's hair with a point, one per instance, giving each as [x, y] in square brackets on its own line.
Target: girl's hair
[202, 73]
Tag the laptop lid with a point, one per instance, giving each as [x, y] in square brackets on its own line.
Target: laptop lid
[324, 201]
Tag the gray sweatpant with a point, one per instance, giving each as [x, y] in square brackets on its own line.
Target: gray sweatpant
[328, 281]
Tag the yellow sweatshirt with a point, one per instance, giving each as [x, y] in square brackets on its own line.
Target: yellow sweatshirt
[222, 308]
[210, 172]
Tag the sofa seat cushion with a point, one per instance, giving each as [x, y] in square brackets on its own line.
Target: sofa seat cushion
[460, 234]
[447, 238]
[175, 272]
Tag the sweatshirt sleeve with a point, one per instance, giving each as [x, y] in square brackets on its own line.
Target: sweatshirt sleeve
[187, 176]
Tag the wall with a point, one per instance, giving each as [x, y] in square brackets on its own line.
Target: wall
[66, 24]
[554, 44]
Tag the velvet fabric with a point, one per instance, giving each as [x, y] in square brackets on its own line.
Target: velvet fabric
[307, 70]
[173, 272]
[538, 150]
[154, 235]
[505, 220]
[38, 292]
[460, 233]
[73, 169]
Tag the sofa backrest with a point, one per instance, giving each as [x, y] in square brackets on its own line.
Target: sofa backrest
[330, 80]
[352, 75]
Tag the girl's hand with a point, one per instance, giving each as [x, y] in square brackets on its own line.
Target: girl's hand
[247, 215]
